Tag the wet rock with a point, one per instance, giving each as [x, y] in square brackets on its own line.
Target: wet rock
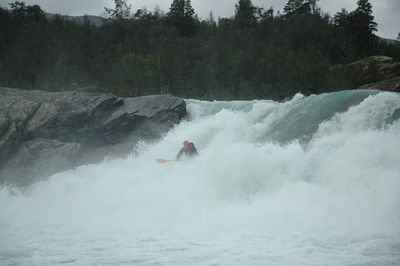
[386, 85]
[42, 133]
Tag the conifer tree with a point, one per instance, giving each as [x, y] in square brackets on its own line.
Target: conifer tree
[121, 11]
[364, 26]
[300, 7]
[365, 17]
[358, 27]
[181, 15]
[245, 13]
[292, 5]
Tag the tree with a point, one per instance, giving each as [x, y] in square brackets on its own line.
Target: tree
[313, 6]
[341, 19]
[365, 17]
[18, 11]
[35, 13]
[120, 12]
[268, 15]
[358, 27]
[364, 26]
[300, 7]
[254, 54]
[296, 7]
[246, 13]
[30, 43]
[181, 15]
[292, 5]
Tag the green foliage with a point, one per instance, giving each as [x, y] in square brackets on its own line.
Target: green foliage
[246, 13]
[180, 15]
[299, 7]
[254, 54]
[357, 28]
[121, 11]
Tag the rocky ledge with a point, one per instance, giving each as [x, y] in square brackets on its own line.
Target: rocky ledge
[42, 133]
[386, 85]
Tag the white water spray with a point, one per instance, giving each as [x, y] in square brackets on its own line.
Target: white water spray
[254, 196]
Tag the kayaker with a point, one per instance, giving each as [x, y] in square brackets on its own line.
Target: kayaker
[188, 151]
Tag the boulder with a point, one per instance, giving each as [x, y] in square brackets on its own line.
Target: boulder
[42, 133]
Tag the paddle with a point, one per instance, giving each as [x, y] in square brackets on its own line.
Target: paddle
[163, 160]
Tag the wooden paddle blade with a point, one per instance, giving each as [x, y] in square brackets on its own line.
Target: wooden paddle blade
[162, 160]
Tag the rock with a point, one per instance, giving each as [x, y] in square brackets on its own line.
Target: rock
[376, 68]
[42, 133]
[365, 71]
[386, 85]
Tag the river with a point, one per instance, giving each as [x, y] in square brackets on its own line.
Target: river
[310, 181]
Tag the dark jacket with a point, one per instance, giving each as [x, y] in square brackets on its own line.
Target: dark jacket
[188, 151]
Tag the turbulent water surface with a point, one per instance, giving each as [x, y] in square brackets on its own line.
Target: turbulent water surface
[312, 181]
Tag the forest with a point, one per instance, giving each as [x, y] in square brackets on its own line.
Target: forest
[255, 54]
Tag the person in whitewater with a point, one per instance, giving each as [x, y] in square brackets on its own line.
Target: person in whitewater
[188, 151]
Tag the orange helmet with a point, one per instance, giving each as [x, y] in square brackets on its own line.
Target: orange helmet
[186, 143]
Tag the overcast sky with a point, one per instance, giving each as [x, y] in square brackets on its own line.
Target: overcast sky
[386, 12]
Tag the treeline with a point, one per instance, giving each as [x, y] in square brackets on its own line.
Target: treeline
[256, 53]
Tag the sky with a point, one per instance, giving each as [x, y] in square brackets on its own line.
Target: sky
[386, 12]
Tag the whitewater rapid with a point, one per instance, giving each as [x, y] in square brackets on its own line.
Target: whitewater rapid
[311, 181]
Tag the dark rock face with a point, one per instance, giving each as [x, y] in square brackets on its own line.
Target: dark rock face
[386, 85]
[42, 133]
